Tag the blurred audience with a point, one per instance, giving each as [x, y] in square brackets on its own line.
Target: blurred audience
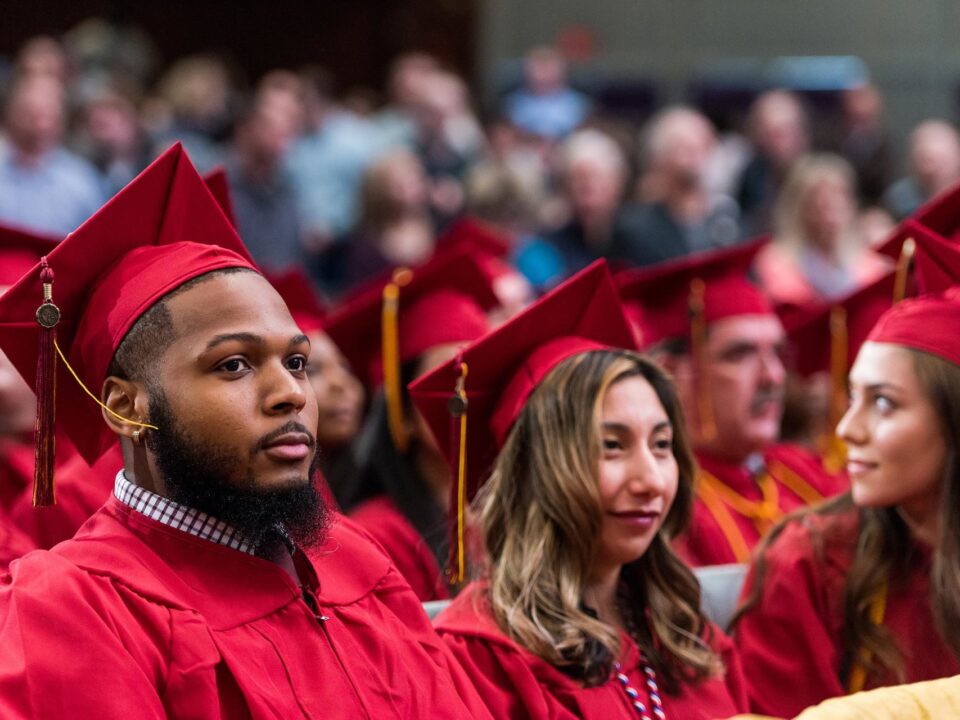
[818, 252]
[864, 142]
[780, 133]
[43, 186]
[546, 105]
[934, 166]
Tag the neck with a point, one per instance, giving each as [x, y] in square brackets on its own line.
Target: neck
[923, 520]
[600, 593]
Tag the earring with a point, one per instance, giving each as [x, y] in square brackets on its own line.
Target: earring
[136, 436]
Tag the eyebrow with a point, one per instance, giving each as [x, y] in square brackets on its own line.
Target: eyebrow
[874, 387]
[620, 427]
[250, 338]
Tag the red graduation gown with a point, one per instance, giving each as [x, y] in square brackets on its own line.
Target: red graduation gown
[16, 470]
[517, 684]
[80, 491]
[405, 546]
[708, 542]
[790, 643]
[133, 619]
[13, 541]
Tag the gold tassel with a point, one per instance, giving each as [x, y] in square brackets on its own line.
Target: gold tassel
[457, 405]
[391, 358]
[698, 348]
[835, 453]
[904, 263]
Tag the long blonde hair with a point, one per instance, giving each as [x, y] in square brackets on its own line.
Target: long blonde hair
[540, 515]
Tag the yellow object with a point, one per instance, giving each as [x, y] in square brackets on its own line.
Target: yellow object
[390, 342]
[858, 675]
[76, 377]
[461, 396]
[903, 269]
[698, 349]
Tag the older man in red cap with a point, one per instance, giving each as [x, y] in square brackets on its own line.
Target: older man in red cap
[722, 341]
[213, 583]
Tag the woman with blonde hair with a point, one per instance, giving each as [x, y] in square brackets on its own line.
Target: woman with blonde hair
[817, 253]
[864, 590]
[582, 609]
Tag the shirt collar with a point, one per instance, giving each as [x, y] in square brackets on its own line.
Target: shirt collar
[180, 517]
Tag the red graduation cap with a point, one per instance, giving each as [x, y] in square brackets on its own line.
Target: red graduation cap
[491, 379]
[928, 323]
[20, 250]
[160, 231]
[219, 187]
[936, 263]
[682, 297]
[940, 218]
[298, 293]
[666, 299]
[440, 302]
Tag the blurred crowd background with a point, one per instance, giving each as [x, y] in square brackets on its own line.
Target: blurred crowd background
[348, 172]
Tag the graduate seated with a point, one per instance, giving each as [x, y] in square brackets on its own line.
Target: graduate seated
[862, 591]
[215, 582]
[583, 610]
[718, 336]
[414, 322]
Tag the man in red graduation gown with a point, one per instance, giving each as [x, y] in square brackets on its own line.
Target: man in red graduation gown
[720, 338]
[213, 583]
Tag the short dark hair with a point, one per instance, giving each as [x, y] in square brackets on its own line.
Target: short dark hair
[147, 340]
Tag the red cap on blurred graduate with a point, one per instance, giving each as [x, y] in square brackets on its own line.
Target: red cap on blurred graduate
[20, 250]
[219, 186]
[160, 231]
[928, 323]
[666, 300]
[301, 298]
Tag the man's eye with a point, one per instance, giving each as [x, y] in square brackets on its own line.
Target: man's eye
[233, 365]
[298, 363]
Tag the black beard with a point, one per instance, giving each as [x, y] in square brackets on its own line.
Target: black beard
[204, 477]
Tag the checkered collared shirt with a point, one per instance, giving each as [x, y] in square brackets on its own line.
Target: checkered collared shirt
[178, 516]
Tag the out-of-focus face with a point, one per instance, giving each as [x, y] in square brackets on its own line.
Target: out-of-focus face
[339, 393]
[745, 377]
[35, 115]
[638, 474]
[687, 145]
[780, 130]
[18, 405]
[545, 72]
[935, 156]
[112, 124]
[406, 182]
[595, 187]
[827, 210]
[896, 449]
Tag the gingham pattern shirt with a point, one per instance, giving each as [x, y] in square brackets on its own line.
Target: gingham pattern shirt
[178, 516]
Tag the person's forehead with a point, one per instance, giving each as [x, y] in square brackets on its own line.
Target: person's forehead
[883, 363]
[632, 398]
[747, 329]
[231, 302]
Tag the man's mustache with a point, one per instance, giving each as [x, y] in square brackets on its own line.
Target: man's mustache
[764, 397]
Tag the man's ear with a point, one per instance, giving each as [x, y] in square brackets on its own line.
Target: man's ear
[129, 400]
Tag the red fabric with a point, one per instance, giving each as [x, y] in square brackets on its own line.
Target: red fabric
[161, 230]
[517, 684]
[407, 549]
[13, 541]
[790, 643]
[219, 187]
[658, 297]
[175, 626]
[81, 490]
[927, 323]
[20, 250]
[298, 293]
[16, 471]
[704, 542]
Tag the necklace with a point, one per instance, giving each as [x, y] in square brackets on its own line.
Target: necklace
[653, 691]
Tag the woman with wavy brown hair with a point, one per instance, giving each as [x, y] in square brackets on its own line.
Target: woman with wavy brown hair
[582, 609]
[864, 590]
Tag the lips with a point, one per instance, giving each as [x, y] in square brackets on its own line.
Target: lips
[856, 467]
[640, 518]
[289, 446]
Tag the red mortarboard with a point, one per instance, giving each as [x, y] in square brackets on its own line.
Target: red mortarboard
[504, 366]
[298, 293]
[219, 187]
[936, 263]
[441, 302]
[927, 323]
[160, 231]
[20, 250]
[661, 300]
